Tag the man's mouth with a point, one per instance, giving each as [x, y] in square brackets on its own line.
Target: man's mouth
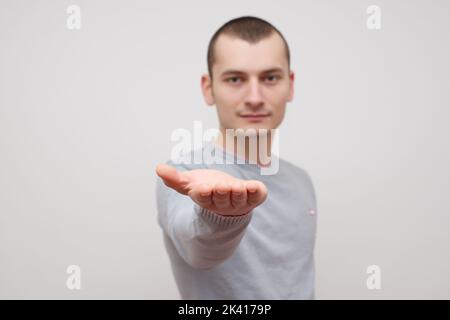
[255, 117]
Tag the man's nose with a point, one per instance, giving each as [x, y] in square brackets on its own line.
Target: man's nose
[254, 98]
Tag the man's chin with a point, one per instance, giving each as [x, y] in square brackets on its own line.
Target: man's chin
[253, 130]
[259, 127]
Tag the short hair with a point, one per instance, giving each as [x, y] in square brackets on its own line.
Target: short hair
[249, 28]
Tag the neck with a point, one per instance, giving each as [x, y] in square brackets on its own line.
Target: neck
[263, 148]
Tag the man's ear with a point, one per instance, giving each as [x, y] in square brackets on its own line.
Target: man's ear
[206, 85]
[291, 86]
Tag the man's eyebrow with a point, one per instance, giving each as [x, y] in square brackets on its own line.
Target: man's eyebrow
[271, 70]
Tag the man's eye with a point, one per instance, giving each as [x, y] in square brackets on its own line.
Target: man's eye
[272, 78]
[233, 78]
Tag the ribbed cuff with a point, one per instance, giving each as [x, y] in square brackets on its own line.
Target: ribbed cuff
[221, 219]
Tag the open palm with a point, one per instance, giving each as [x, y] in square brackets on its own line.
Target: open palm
[215, 190]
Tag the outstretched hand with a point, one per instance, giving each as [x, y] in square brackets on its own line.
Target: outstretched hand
[215, 190]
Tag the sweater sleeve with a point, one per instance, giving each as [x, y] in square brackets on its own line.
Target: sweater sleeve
[202, 238]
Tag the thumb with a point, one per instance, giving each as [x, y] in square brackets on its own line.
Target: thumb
[171, 177]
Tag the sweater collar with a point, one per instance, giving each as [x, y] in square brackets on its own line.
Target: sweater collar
[220, 152]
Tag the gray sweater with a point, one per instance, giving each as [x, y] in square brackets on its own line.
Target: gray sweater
[266, 254]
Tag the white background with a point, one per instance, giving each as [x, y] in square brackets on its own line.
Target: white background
[85, 115]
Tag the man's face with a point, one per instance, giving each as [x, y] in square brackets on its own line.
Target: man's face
[251, 83]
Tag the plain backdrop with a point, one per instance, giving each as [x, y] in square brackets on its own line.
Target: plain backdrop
[85, 115]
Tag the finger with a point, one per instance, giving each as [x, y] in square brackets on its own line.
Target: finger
[238, 195]
[171, 177]
[221, 195]
[202, 195]
[256, 192]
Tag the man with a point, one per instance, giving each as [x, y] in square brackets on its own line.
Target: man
[230, 232]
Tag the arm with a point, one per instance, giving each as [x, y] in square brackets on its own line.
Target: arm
[205, 226]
